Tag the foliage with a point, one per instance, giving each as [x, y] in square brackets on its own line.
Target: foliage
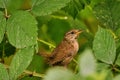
[105, 50]
[29, 26]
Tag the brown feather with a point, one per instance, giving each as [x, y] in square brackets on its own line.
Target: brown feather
[65, 51]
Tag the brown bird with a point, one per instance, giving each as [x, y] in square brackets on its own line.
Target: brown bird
[65, 51]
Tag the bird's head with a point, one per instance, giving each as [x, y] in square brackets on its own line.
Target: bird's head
[72, 34]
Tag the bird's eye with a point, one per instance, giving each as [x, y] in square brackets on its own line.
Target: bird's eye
[72, 32]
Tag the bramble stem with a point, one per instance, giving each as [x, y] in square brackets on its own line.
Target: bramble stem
[29, 72]
[34, 73]
[47, 43]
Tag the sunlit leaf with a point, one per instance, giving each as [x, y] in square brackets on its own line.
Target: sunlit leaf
[104, 46]
[3, 73]
[45, 7]
[20, 62]
[107, 13]
[87, 63]
[22, 29]
[101, 75]
[59, 74]
[2, 26]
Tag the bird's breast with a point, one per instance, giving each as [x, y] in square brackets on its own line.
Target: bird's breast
[76, 46]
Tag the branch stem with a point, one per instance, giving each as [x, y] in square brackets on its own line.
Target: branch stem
[47, 43]
[29, 72]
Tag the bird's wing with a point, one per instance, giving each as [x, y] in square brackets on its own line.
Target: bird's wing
[61, 52]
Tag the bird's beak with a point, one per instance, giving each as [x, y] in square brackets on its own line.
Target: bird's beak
[79, 31]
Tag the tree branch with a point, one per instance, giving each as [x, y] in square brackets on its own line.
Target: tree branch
[29, 72]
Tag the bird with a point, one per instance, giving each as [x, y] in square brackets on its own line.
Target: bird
[65, 51]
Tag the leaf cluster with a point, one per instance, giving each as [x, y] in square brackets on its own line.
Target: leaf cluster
[29, 26]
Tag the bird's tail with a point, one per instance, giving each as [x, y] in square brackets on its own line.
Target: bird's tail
[44, 54]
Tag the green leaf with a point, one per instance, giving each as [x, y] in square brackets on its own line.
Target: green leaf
[22, 29]
[118, 60]
[30, 78]
[104, 46]
[2, 26]
[37, 64]
[101, 75]
[102, 66]
[117, 77]
[87, 63]
[117, 32]
[3, 73]
[13, 5]
[20, 62]
[109, 75]
[107, 13]
[74, 7]
[45, 7]
[2, 4]
[58, 73]
[118, 51]
[55, 25]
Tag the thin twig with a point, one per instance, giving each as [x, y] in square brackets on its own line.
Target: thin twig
[47, 43]
[29, 72]
[6, 13]
[75, 61]
[34, 73]
[116, 69]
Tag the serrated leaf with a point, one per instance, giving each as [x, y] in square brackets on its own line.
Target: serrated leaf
[45, 7]
[58, 73]
[13, 5]
[118, 60]
[2, 26]
[118, 52]
[3, 73]
[104, 46]
[101, 66]
[107, 13]
[87, 63]
[22, 29]
[74, 7]
[20, 62]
